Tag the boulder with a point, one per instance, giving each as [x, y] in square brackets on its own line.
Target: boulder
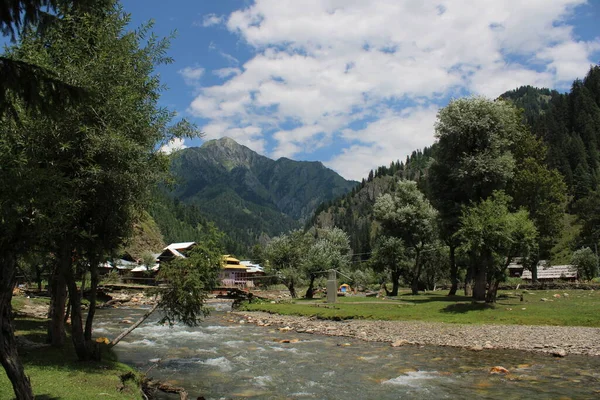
[399, 343]
[498, 370]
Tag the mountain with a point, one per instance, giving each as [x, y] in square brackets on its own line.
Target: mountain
[250, 196]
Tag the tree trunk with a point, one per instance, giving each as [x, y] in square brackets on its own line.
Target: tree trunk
[77, 334]
[309, 291]
[534, 270]
[395, 284]
[291, 288]
[93, 295]
[479, 289]
[417, 274]
[492, 291]
[9, 357]
[56, 313]
[135, 325]
[469, 281]
[453, 272]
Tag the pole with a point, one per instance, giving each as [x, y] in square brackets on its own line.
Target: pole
[332, 287]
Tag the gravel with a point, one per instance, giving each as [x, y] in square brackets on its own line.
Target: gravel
[556, 340]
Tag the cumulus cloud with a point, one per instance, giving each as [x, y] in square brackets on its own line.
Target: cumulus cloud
[191, 75]
[371, 75]
[173, 145]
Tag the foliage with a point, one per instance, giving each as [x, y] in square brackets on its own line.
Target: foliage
[56, 373]
[285, 256]
[586, 262]
[491, 236]
[390, 257]
[409, 216]
[353, 212]
[188, 281]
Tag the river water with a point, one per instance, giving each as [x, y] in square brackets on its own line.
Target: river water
[223, 359]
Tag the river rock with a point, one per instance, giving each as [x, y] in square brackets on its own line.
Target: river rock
[477, 347]
[498, 370]
[399, 343]
[559, 353]
[126, 321]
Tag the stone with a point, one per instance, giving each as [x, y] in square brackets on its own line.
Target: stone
[285, 329]
[559, 353]
[498, 370]
[126, 321]
[399, 343]
[477, 347]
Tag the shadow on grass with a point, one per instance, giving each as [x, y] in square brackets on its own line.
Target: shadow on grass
[64, 358]
[463, 308]
[46, 397]
[420, 299]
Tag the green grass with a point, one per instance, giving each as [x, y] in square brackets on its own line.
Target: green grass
[56, 373]
[579, 308]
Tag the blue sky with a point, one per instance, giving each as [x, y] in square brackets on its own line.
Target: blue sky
[355, 83]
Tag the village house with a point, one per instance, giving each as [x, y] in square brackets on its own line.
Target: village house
[545, 271]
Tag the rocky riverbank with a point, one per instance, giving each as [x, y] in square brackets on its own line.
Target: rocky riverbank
[556, 340]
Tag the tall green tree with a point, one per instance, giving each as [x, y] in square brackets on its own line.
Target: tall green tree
[390, 257]
[586, 262]
[474, 157]
[285, 256]
[408, 215]
[491, 236]
[330, 250]
[102, 151]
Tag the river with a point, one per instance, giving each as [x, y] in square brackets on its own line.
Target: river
[225, 359]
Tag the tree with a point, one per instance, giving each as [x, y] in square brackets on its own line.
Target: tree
[285, 255]
[543, 193]
[389, 256]
[331, 250]
[408, 215]
[491, 237]
[35, 86]
[100, 155]
[586, 263]
[187, 283]
[474, 157]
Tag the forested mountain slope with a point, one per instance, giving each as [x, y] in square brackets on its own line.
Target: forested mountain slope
[247, 195]
[354, 212]
[569, 124]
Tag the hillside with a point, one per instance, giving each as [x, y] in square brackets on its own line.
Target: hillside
[354, 212]
[569, 124]
[247, 195]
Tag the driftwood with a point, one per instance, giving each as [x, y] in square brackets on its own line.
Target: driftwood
[135, 325]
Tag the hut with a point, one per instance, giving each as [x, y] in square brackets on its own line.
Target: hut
[554, 272]
[175, 250]
[233, 273]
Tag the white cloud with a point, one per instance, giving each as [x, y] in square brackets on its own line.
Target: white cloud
[173, 145]
[320, 68]
[191, 76]
[391, 137]
[211, 20]
[225, 73]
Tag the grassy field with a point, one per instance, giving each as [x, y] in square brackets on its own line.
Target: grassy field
[56, 373]
[576, 308]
